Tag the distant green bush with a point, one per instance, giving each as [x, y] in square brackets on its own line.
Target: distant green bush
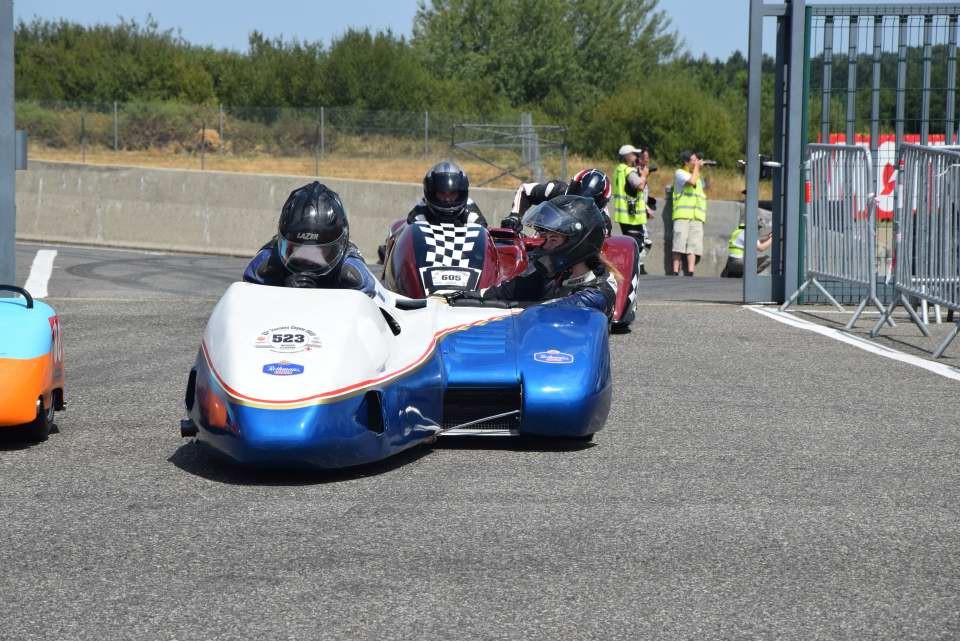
[162, 124]
[62, 126]
[668, 115]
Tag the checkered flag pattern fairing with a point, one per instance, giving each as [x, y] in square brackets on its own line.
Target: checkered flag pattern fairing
[449, 245]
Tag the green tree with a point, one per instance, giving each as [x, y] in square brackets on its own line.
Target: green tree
[376, 72]
[521, 46]
[680, 116]
[525, 46]
[100, 64]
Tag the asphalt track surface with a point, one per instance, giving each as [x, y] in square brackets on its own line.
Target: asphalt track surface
[754, 481]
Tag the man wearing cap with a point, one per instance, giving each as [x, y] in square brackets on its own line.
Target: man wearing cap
[689, 212]
[629, 203]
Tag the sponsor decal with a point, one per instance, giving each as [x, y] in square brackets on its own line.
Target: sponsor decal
[283, 368]
[307, 236]
[288, 339]
[554, 357]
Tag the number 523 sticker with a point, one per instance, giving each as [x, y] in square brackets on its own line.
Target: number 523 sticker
[288, 339]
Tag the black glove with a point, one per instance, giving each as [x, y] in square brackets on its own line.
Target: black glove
[512, 222]
[462, 294]
[651, 202]
[300, 280]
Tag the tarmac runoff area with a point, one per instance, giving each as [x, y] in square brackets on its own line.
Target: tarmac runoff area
[756, 479]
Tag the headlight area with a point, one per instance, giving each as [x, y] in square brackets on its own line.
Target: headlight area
[214, 410]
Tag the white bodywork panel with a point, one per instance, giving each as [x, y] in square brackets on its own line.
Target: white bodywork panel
[282, 345]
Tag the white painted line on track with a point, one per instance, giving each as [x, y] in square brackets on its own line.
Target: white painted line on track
[40, 272]
[789, 319]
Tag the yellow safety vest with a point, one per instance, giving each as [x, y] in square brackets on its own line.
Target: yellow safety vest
[691, 203]
[735, 245]
[622, 202]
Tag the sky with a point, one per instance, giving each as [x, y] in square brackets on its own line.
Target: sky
[715, 27]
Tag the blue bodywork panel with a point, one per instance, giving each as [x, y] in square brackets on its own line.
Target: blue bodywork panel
[25, 332]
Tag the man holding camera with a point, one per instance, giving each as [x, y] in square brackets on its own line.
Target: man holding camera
[689, 212]
[630, 196]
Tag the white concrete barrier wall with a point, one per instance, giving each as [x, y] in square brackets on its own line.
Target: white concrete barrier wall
[234, 214]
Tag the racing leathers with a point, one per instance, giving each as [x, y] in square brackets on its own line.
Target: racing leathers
[266, 268]
[469, 214]
[596, 289]
[531, 194]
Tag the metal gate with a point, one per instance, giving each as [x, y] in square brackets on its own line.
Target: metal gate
[874, 75]
[927, 223]
[840, 222]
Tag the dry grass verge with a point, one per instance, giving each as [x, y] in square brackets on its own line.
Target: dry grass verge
[723, 184]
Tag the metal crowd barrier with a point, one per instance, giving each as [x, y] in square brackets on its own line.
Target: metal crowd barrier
[840, 223]
[927, 235]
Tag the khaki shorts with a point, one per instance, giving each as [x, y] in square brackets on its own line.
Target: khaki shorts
[688, 237]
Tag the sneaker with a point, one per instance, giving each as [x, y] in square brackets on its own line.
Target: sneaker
[690, 274]
[642, 271]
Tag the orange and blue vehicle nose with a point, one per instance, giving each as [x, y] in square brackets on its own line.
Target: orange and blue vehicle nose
[31, 359]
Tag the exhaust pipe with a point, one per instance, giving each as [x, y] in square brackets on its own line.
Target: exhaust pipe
[188, 428]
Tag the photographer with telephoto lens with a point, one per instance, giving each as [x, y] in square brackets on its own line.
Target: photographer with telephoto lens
[689, 212]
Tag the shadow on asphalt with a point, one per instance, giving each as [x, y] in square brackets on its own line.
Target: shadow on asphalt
[704, 301]
[512, 444]
[199, 460]
[699, 289]
[916, 344]
[17, 438]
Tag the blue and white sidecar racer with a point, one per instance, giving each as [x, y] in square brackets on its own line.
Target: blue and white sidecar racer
[333, 378]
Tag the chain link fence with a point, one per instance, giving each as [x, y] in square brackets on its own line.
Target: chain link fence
[219, 136]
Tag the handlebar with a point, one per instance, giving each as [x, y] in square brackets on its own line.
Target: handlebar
[21, 291]
[408, 304]
[472, 302]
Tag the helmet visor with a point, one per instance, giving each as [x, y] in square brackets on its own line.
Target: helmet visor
[547, 217]
[448, 198]
[310, 257]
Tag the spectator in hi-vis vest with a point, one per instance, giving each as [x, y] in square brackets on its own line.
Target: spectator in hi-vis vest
[630, 197]
[689, 212]
[737, 243]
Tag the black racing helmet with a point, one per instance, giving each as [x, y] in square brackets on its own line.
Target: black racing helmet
[313, 234]
[591, 183]
[575, 217]
[445, 189]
